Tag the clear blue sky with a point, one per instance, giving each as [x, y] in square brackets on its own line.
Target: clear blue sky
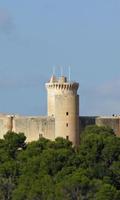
[36, 35]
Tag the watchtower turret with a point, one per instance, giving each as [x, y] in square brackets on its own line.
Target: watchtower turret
[63, 104]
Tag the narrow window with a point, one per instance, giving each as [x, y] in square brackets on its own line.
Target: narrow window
[67, 113]
[67, 137]
[66, 124]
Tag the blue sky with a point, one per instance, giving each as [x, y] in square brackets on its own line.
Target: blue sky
[36, 36]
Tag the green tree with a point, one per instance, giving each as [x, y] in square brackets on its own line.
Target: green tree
[107, 192]
[13, 143]
[55, 170]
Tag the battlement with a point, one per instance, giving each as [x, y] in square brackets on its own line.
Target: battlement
[62, 84]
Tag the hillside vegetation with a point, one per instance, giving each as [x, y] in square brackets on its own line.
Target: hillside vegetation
[47, 170]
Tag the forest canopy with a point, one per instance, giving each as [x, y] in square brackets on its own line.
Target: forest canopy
[55, 170]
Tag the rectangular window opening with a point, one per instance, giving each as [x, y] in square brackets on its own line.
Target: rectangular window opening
[67, 137]
[67, 113]
[66, 124]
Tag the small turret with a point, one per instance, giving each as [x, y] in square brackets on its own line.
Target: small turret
[62, 79]
[53, 79]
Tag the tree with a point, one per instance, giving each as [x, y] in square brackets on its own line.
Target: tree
[14, 142]
[107, 192]
[55, 170]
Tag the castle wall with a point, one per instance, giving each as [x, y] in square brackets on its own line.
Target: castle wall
[85, 121]
[35, 127]
[5, 124]
[32, 127]
[112, 122]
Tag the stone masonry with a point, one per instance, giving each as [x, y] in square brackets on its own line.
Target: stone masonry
[63, 118]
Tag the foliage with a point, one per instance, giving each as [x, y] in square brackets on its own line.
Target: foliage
[55, 170]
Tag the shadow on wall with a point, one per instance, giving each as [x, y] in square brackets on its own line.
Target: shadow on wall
[85, 121]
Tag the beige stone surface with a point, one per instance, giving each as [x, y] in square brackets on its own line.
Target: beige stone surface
[63, 104]
[5, 124]
[67, 117]
[35, 127]
[112, 122]
[58, 87]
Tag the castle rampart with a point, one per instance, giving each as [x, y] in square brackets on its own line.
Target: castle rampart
[113, 122]
[33, 127]
[63, 118]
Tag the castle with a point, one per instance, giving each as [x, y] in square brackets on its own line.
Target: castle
[63, 118]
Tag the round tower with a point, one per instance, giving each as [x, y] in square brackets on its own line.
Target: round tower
[63, 104]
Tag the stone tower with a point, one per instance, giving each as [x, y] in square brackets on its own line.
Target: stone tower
[63, 105]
